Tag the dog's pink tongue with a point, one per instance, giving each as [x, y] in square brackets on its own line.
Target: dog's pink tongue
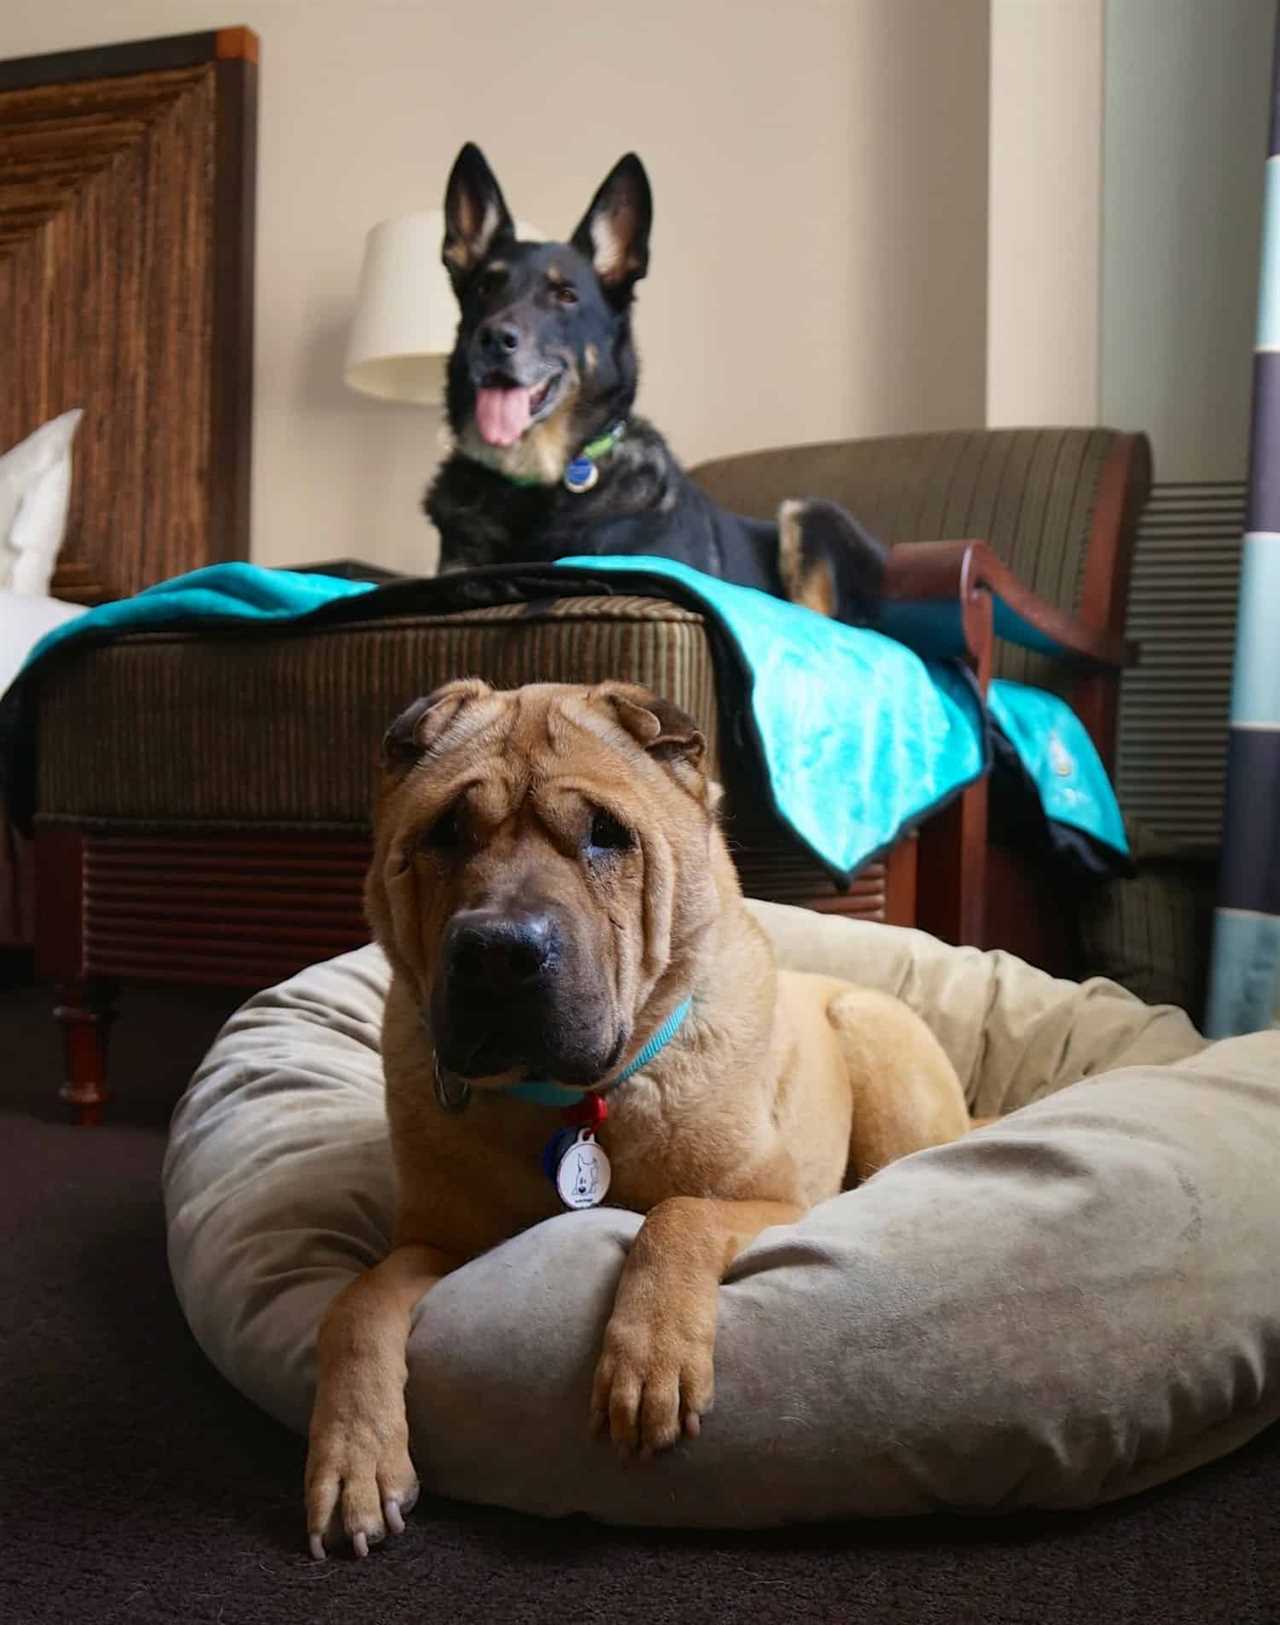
[502, 415]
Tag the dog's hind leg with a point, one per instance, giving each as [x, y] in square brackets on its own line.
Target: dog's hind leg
[828, 562]
[907, 1103]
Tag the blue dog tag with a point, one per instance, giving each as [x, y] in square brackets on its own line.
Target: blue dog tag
[581, 475]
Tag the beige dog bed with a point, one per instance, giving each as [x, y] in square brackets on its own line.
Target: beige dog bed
[1066, 1307]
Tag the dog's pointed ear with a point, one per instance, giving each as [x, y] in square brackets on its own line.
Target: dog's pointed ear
[614, 232]
[475, 214]
[665, 731]
[417, 728]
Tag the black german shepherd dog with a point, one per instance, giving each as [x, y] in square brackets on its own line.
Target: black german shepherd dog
[548, 458]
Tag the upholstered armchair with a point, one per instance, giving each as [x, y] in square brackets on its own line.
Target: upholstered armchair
[1011, 548]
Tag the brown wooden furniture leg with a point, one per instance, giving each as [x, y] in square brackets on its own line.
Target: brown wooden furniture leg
[85, 1012]
[900, 900]
[83, 1008]
[951, 891]
[1031, 912]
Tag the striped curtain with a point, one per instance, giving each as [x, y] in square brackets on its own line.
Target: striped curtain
[1244, 993]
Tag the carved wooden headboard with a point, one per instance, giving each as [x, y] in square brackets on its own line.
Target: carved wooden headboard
[126, 287]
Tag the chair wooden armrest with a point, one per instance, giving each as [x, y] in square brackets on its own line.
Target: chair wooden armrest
[965, 571]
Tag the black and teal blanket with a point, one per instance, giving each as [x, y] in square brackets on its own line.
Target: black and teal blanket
[858, 736]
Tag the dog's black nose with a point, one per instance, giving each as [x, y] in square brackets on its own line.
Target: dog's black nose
[501, 954]
[500, 338]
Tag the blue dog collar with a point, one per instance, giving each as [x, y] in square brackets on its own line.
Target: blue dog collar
[556, 1094]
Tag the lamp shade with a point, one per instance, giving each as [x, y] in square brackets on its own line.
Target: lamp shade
[406, 313]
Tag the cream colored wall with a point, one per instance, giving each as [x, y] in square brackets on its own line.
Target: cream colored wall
[1188, 96]
[1044, 241]
[1127, 140]
[819, 252]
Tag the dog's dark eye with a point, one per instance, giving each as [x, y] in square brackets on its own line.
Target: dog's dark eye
[565, 295]
[493, 282]
[444, 834]
[608, 835]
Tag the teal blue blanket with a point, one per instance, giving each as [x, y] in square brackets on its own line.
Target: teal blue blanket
[1059, 758]
[886, 734]
[860, 737]
[220, 593]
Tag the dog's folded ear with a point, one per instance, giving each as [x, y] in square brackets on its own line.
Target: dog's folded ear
[614, 232]
[666, 732]
[423, 723]
[475, 214]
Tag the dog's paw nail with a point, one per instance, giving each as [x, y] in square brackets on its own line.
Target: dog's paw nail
[316, 1543]
[360, 1544]
[692, 1425]
[391, 1512]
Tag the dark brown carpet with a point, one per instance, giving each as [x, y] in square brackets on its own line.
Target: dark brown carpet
[137, 1486]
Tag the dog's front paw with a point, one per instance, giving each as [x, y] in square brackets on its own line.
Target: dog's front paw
[654, 1382]
[360, 1480]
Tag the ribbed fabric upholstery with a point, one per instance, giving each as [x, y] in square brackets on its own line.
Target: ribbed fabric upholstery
[1028, 492]
[202, 727]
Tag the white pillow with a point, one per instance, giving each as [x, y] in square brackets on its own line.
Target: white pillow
[35, 489]
[24, 619]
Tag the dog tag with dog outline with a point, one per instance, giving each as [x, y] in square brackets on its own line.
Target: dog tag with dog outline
[582, 1172]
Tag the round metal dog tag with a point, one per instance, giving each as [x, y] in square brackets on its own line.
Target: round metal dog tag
[581, 475]
[582, 1174]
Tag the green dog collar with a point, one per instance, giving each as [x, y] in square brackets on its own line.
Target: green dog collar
[581, 472]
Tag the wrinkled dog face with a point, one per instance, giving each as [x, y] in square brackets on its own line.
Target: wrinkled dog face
[541, 864]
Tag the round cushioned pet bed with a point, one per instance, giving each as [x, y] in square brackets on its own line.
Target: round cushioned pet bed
[1065, 1307]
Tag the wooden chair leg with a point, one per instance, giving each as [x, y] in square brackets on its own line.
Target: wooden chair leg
[85, 1011]
[952, 882]
[900, 882]
[1096, 701]
[84, 1002]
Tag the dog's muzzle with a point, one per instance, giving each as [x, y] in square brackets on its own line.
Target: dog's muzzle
[497, 980]
[498, 956]
[517, 989]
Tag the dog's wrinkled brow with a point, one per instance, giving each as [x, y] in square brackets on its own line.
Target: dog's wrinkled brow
[466, 725]
[492, 801]
[565, 723]
[561, 727]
